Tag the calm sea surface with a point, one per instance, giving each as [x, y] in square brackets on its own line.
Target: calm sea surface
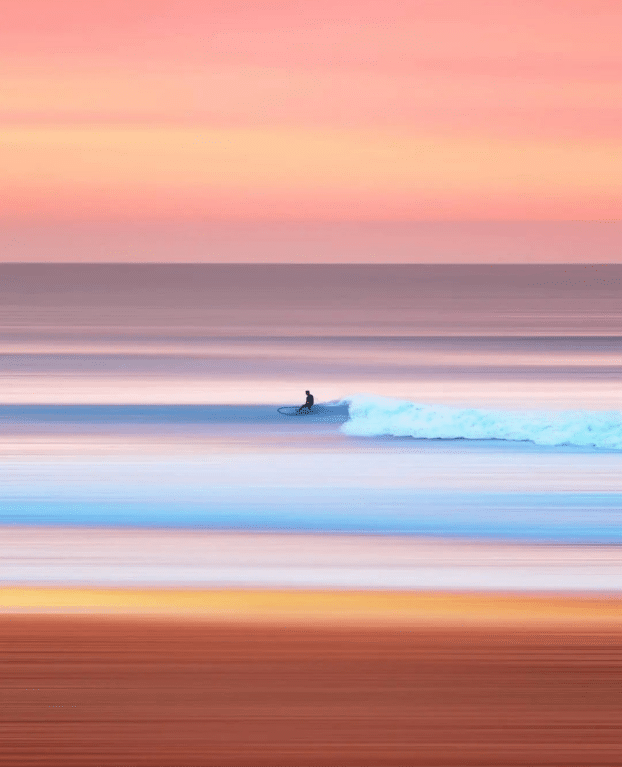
[480, 403]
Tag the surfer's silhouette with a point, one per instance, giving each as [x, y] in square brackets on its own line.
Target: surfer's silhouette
[308, 404]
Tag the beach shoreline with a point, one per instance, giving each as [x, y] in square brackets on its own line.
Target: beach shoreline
[50, 557]
[296, 607]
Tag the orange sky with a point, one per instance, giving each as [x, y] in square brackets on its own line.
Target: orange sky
[131, 114]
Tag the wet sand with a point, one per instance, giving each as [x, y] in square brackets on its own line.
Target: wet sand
[107, 691]
[105, 557]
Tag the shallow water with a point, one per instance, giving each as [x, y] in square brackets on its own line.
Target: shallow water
[251, 468]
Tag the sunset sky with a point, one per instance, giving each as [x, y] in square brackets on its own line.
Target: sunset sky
[327, 130]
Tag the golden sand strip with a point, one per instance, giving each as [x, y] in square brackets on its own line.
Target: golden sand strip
[332, 607]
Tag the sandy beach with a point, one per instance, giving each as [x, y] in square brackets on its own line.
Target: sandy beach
[104, 691]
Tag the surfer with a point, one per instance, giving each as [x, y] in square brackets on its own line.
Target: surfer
[308, 404]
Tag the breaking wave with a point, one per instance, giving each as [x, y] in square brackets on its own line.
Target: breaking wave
[375, 416]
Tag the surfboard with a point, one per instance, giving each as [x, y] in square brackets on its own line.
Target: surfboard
[293, 410]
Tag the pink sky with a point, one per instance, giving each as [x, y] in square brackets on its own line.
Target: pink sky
[124, 119]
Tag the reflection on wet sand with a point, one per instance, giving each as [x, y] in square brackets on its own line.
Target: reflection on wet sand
[100, 558]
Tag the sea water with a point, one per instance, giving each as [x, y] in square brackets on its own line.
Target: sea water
[478, 404]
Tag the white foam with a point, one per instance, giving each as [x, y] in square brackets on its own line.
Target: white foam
[374, 416]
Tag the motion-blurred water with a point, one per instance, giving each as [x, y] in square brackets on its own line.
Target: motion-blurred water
[146, 396]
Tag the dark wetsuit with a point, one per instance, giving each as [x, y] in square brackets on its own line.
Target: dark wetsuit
[308, 404]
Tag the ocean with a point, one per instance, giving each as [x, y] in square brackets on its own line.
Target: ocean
[467, 432]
